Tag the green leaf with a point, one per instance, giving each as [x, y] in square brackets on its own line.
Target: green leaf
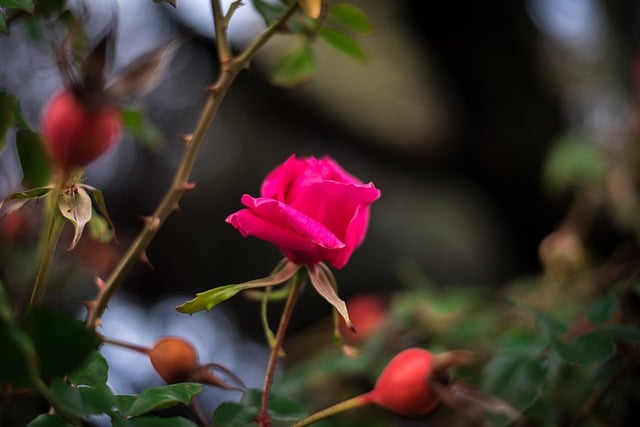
[3, 29]
[75, 205]
[62, 342]
[8, 104]
[152, 422]
[48, 7]
[547, 325]
[136, 124]
[99, 229]
[351, 17]
[17, 200]
[82, 401]
[95, 371]
[516, 375]
[602, 309]
[26, 5]
[208, 299]
[297, 68]
[100, 205]
[155, 398]
[33, 158]
[14, 362]
[573, 161]
[282, 411]
[269, 11]
[232, 414]
[46, 420]
[594, 347]
[123, 402]
[343, 43]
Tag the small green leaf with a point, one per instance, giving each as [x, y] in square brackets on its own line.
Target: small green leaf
[17, 200]
[3, 29]
[602, 309]
[26, 5]
[99, 229]
[269, 11]
[343, 43]
[573, 161]
[33, 158]
[46, 420]
[547, 325]
[100, 205]
[136, 124]
[517, 375]
[208, 299]
[94, 372]
[297, 68]
[123, 402]
[62, 342]
[351, 17]
[155, 398]
[75, 205]
[591, 348]
[82, 401]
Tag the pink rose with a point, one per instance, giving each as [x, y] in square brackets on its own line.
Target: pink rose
[311, 209]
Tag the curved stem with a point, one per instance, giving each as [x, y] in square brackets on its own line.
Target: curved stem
[354, 402]
[124, 344]
[181, 184]
[296, 286]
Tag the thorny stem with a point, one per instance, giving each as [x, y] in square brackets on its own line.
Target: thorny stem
[230, 69]
[51, 229]
[354, 402]
[296, 286]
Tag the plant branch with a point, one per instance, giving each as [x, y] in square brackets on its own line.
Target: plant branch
[354, 402]
[296, 286]
[181, 183]
[221, 24]
[245, 56]
[51, 229]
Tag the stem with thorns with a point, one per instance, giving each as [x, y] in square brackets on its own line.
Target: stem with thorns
[294, 292]
[230, 69]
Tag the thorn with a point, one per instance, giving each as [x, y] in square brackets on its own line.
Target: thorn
[186, 139]
[214, 89]
[144, 259]
[152, 221]
[187, 186]
[99, 282]
[176, 207]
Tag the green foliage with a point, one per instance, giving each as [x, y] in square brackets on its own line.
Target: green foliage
[156, 398]
[26, 5]
[343, 43]
[135, 123]
[571, 162]
[33, 158]
[351, 17]
[46, 420]
[283, 411]
[297, 68]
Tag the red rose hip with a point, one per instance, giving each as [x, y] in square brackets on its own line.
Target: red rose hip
[403, 386]
[76, 134]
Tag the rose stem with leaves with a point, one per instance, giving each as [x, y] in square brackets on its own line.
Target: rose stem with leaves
[294, 292]
[230, 67]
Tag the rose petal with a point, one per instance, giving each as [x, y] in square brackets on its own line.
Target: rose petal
[286, 217]
[249, 224]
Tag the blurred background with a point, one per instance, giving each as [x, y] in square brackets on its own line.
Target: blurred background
[456, 115]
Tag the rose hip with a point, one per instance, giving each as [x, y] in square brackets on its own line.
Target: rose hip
[76, 134]
[174, 359]
[403, 386]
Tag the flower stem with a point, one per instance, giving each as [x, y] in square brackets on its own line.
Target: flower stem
[51, 229]
[124, 344]
[294, 292]
[181, 184]
[354, 402]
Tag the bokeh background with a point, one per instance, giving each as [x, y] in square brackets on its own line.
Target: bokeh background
[452, 116]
